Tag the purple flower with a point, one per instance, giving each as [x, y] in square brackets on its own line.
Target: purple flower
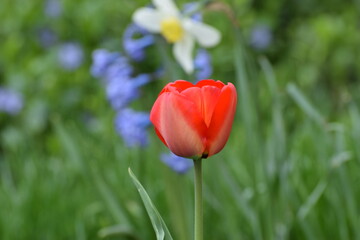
[135, 40]
[102, 59]
[119, 68]
[70, 56]
[10, 102]
[53, 8]
[116, 71]
[178, 164]
[202, 63]
[260, 37]
[47, 37]
[122, 90]
[132, 126]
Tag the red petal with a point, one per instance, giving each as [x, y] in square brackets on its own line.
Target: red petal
[194, 95]
[180, 125]
[178, 85]
[205, 99]
[160, 136]
[210, 95]
[210, 82]
[221, 122]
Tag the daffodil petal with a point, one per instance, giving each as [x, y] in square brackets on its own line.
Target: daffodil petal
[206, 35]
[183, 53]
[148, 18]
[166, 6]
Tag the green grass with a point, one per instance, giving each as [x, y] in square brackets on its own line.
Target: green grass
[300, 182]
[290, 169]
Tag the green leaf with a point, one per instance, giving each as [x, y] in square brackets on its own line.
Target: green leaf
[312, 200]
[158, 223]
[306, 106]
[117, 230]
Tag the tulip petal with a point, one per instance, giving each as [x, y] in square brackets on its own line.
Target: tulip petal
[166, 6]
[148, 18]
[180, 126]
[194, 95]
[183, 53]
[206, 35]
[205, 99]
[160, 136]
[210, 96]
[210, 82]
[221, 122]
[178, 85]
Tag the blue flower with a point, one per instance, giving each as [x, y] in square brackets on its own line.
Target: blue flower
[123, 90]
[70, 56]
[119, 68]
[117, 73]
[102, 59]
[202, 63]
[47, 37]
[10, 102]
[53, 8]
[135, 40]
[178, 164]
[141, 79]
[131, 125]
[261, 37]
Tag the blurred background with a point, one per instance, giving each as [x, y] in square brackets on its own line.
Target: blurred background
[77, 82]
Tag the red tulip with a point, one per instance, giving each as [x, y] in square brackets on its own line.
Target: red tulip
[194, 120]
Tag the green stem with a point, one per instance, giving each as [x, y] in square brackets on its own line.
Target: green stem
[198, 200]
[170, 67]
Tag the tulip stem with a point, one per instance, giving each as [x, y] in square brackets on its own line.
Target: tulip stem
[198, 232]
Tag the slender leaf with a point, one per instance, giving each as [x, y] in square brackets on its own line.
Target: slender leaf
[158, 223]
[312, 200]
[117, 230]
[304, 104]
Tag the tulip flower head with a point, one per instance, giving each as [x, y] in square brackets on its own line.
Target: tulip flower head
[194, 121]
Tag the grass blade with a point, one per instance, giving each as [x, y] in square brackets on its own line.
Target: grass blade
[304, 104]
[158, 223]
[312, 200]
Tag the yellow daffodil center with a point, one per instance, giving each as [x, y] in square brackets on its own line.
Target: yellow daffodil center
[171, 29]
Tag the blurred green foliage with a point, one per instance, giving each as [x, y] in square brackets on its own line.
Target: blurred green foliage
[289, 171]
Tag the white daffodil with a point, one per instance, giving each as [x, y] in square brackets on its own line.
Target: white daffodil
[178, 29]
